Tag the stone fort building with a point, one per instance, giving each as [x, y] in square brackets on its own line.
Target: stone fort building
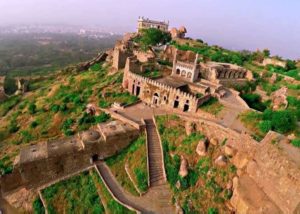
[145, 23]
[40, 163]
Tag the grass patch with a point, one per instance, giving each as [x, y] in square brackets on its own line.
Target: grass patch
[136, 159]
[66, 197]
[111, 206]
[212, 106]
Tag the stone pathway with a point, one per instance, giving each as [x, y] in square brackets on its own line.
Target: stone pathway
[156, 200]
[158, 197]
[155, 158]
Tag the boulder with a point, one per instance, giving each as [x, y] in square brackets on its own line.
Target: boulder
[183, 171]
[202, 147]
[229, 150]
[279, 98]
[178, 184]
[221, 161]
[214, 141]
[179, 210]
[229, 184]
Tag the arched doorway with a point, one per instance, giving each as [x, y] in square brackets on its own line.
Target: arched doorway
[94, 158]
[176, 102]
[155, 100]
[186, 106]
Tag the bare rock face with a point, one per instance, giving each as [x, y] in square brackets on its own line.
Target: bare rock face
[190, 127]
[214, 141]
[178, 209]
[279, 98]
[229, 184]
[273, 78]
[229, 150]
[221, 161]
[202, 147]
[183, 171]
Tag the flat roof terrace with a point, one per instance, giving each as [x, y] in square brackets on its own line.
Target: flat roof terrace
[172, 81]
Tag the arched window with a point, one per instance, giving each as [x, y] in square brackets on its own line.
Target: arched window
[189, 75]
[183, 73]
[178, 71]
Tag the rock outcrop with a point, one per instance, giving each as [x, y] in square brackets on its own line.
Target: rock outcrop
[279, 98]
[183, 171]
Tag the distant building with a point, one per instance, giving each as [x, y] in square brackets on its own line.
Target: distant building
[145, 23]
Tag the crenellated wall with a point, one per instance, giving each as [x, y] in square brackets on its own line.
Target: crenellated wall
[156, 93]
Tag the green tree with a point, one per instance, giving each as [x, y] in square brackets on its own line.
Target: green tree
[153, 36]
[265, 126]
[266, 52]
[290, 65]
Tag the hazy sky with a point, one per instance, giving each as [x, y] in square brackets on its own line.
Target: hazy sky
[235, 24]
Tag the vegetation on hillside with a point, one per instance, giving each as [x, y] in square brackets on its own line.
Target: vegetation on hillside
[135, 157]
[110, 205]
[152, 37]
[203, 190]
[65, 196]
[55, 107]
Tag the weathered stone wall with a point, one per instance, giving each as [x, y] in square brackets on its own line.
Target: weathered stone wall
[119, 58]
[275, 170]
[158, 94]
[2, 91]
[40, 170]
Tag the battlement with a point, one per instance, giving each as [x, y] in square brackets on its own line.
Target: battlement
[162, 86]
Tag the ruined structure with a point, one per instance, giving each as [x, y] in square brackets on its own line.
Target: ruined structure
[22, 85]
[145, 23]
[2, 91]
[120, 54]
[166, 92]
[274, 61]
[225, 73]
[178, 33]
[43, 162]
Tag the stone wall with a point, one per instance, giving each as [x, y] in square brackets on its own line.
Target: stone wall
[39, 164]
[158, 94]
[275, 170]
[2, 91]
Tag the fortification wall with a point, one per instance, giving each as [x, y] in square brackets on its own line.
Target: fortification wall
[34, 173]
[156, 93]
[276, 172]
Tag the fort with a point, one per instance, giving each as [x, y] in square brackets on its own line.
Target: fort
[185, 82]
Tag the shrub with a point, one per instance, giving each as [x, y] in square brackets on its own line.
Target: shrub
[104, 104]
[212, 210]
[265, 126]
[254, 101]
[296, 142]
[34, 124]
[32, 108]
[103, 117]
[13, 127]
[38, 207]
[55, 108]
[141, 177]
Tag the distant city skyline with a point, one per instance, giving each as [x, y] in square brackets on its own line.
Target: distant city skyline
[237, 25]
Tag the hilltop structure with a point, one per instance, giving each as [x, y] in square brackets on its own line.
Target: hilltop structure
[182, 82]
[145, 23]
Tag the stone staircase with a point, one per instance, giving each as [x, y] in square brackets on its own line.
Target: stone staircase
[155, 158]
